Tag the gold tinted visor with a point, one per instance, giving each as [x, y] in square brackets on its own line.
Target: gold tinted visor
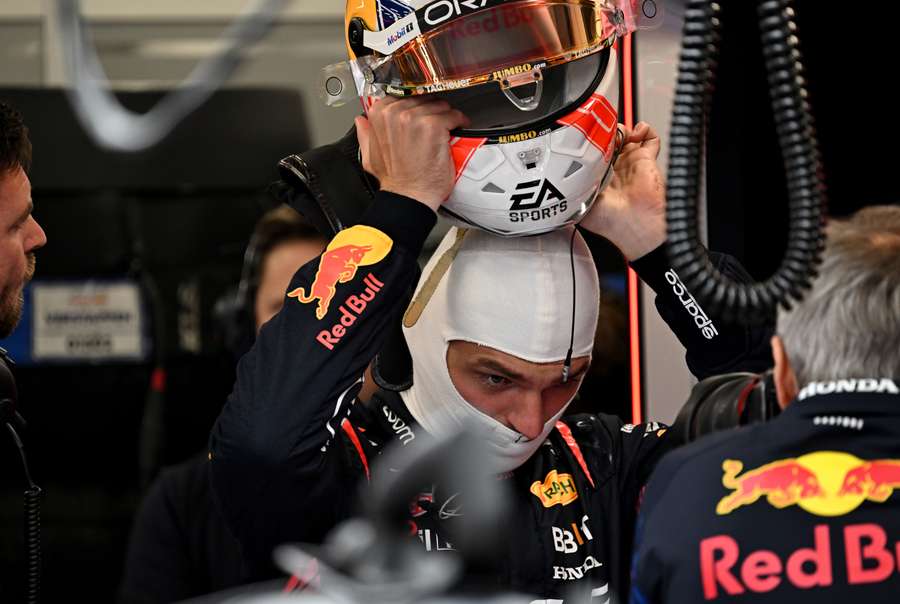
[504, 43]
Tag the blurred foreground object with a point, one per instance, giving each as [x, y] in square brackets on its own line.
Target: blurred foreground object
[113, 126]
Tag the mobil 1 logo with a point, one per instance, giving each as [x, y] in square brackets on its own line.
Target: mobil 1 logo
[536, 200]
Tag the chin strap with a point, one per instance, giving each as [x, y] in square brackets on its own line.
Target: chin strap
[567, 365]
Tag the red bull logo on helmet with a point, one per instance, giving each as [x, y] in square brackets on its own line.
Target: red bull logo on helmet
[350, 249]
[824, 483]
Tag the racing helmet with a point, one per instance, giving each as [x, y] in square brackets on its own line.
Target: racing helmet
[536, 78]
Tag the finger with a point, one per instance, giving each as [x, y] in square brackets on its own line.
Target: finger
[464, 121]
[638, 134]
[388, 107]
[454, 117]
[651, 141]
[382, 102]
[446, 113]
[435, 119]
[430, 107]
[628, 149]
[645, 131]
[447, 121]
[403, 103]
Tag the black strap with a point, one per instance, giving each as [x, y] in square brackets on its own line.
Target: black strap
[327, 185]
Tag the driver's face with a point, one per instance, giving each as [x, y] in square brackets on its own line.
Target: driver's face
[519, 394]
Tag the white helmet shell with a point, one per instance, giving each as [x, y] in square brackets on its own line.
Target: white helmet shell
[537, 181]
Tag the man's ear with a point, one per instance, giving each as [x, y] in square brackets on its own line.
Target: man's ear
[785, 379]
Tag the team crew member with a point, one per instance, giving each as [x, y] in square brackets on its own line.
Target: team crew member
[20, 234]
[489, 342]
[179, 546]
[802, 508]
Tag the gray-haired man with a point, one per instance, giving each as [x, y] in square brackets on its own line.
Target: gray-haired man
[803, 508]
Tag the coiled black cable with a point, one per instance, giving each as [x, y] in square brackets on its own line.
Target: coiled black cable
[718, 294]
[33, 544]
[32, 527]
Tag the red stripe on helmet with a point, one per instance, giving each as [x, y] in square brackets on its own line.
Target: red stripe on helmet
[462, 150]
[597, 120]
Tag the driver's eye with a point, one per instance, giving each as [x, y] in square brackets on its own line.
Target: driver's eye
[494, 380]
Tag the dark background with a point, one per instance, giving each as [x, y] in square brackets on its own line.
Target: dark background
[849, 58]
[177, 219]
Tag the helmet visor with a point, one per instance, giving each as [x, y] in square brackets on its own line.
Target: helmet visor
[504, 43]
[495, 111]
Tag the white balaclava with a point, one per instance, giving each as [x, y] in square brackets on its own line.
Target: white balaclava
[513, 295]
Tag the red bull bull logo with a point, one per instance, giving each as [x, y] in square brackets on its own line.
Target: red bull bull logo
[783, 483]
[874, 480]
[350, 249]
[824, 483]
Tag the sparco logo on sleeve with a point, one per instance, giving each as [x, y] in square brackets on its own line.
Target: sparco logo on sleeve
[401, 428]
[703, 322]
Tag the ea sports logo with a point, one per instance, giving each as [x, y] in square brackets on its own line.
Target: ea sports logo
[531, 197]
[536, 200]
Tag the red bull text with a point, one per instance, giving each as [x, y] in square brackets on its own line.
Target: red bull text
[868, 558]
[350, 310]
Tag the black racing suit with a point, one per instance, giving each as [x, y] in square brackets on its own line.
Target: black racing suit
[290, 445]
[800, 509]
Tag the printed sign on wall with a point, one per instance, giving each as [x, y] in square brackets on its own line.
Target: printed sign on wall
[87, 321]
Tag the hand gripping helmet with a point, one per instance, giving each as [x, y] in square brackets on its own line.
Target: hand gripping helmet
[536, 78]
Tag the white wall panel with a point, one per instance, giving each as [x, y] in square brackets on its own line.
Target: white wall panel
[667, 382]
